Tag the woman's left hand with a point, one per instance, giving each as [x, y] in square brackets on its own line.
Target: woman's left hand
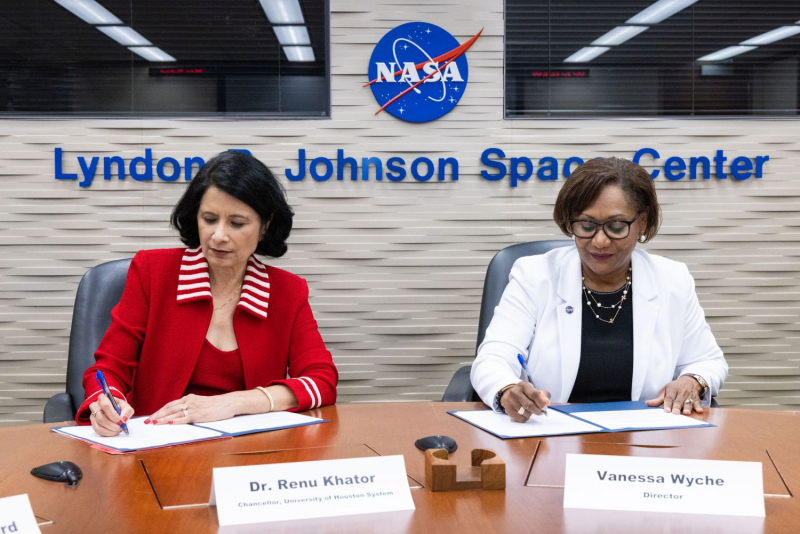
[680, 396]
[199, 409]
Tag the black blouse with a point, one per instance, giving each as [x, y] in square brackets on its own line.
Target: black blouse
[606, 369]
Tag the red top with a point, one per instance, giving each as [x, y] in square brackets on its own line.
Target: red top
[217, 371]
[152, 349]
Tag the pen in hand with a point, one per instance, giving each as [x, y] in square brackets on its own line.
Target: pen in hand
[530, 378]
[104, 386]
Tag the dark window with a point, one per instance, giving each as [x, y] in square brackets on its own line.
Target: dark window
[164, 58]
[651, 67]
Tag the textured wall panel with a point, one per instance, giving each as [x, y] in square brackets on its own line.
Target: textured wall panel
[396, 269]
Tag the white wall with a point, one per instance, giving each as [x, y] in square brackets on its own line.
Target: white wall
[396, 269]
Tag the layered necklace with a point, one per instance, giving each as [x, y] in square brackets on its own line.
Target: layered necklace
[596, 307]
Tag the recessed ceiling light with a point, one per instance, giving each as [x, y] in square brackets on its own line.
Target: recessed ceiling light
[298, 35]
[299, 53]
[151, 53]
[726, 53]
[124, 35]
[89, 11]
[775, 35]
[619, 35]
[661, 10]
[283, 11]
[586, 54]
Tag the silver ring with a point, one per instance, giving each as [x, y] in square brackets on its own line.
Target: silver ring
[185, 411]
[521, 410]
[688, 401]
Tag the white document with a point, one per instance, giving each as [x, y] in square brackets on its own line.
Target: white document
[304, 490]
[16, 515]
[142, 436]
[663, 485]
[500, 424]
[244, 424]
[638, 419]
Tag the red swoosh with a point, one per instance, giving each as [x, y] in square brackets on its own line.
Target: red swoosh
[447, 55]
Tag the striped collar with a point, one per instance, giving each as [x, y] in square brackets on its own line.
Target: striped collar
[194, 283]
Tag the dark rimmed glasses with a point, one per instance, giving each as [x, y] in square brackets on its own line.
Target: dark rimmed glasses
[584, 229]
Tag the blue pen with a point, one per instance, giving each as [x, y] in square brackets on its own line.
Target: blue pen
[528, 374]
[104, 386]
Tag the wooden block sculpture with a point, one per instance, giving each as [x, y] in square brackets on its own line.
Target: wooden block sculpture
[488, 471]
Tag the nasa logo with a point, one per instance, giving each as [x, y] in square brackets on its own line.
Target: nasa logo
[418, 71]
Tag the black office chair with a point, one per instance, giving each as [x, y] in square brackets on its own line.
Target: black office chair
[99, 291]
[460, 388]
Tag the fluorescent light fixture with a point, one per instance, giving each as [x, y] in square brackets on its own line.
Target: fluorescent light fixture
[299, 53]
[89, 11]
[726, 53]
[586, 54]
[151, 53]
[620, 34]
[124, 35]
[775, 35]
[283, 11]
[661, 10]
[298, 35]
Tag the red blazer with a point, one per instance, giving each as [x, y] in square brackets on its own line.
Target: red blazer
[157, 331]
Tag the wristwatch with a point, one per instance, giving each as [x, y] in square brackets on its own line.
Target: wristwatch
[702, 382]
[497, 405]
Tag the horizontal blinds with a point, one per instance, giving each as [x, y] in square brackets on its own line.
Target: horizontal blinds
[658, 71]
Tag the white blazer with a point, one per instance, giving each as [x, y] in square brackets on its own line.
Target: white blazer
[540, 314]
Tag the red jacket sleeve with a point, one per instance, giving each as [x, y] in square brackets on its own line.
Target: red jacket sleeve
[118, 353]
[312, 374]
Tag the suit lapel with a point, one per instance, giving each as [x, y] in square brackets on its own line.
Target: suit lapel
[645, 318]
[570, 313]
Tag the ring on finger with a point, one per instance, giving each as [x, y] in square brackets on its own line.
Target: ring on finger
[521, 410]
[688, 401]
[185, 411]
[94, 414]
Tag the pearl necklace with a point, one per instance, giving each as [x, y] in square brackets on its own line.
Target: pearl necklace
[618, 305]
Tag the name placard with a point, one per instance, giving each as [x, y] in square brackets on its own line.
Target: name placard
[16, 515]
[304, 490]
[664, 485]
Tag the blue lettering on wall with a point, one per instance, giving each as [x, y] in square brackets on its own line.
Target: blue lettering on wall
[497, 166]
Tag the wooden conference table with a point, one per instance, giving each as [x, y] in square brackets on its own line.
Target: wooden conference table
[167, 490]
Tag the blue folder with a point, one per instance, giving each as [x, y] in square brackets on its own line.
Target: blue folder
[571, 409]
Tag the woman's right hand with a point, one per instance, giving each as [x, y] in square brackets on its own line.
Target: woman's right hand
[524, 395]
[104, 418]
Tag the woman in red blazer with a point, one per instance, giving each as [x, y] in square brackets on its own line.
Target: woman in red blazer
[209, 332]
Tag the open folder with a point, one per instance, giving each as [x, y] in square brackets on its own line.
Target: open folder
[580, 419]
[144, 436]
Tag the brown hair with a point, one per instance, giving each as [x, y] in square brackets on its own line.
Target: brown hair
[584, 186]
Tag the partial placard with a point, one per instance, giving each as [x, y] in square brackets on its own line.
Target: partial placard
[16, 515]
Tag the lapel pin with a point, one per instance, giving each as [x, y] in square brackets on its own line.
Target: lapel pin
[569, 309]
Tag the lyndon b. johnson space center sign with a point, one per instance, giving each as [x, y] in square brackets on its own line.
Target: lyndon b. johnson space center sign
[418, 72]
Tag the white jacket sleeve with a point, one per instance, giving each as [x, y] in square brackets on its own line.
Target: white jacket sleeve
[699, 352]
[510, 333]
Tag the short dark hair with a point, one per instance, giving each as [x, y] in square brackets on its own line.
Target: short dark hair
[244, 178]
[584, 186]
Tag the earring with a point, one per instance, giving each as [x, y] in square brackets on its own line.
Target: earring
[642, 239]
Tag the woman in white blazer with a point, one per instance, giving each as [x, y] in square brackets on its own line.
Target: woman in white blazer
[601, 320]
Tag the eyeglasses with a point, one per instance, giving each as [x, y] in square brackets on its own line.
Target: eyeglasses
[613, 229]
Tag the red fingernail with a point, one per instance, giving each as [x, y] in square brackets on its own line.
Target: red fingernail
[170, 422]
[119, 422]
[125, 419]
[147, 421]
[155, 422]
